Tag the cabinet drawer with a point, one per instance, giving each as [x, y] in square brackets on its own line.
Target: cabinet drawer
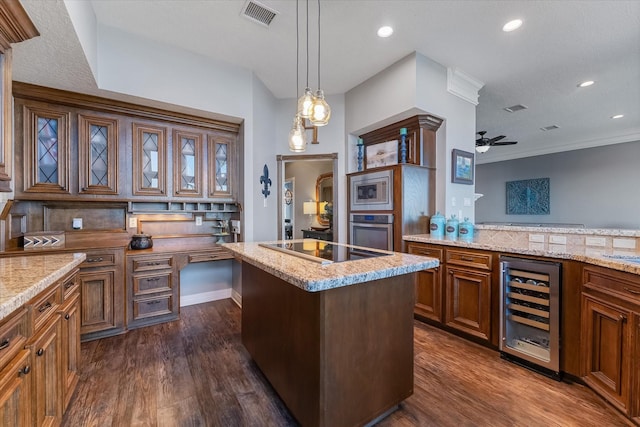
[469, 259]
[13, 335]
[151, 284]
[155, 306]
[622, 285]
[70, 286]
[44, 305]
[425, 251]
[156, 263]
[99, 259]
[213, 255]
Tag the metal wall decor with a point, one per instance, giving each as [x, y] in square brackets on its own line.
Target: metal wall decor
[266, 183]
[528, 197]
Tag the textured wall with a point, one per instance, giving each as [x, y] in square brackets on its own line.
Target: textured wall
[597, 187]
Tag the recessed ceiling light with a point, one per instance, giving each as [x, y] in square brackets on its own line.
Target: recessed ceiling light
[587, 83]
[385, 31]
[617, 116]
[512, 25]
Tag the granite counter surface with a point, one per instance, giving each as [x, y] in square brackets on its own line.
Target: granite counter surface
[23, 277]
[496, 242]
[313, 277]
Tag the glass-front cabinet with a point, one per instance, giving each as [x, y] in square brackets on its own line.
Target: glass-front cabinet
[98, 155]
[47, 150]
[149, 160]
[187, 162]
[220, 183]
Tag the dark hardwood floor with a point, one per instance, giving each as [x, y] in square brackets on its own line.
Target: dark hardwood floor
[195, 372]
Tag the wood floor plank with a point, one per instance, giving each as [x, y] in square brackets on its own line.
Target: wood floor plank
[195, 372]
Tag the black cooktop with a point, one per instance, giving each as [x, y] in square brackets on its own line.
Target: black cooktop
[323, 252]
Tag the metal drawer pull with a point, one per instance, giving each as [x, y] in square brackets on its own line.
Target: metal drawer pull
[67, 317]
[95, 259]
[44, 307]
[25, 370]
[68, 285]
[465, 258]
[154, 302]
[632, 291]
[4, 344]
[153, 279]
[40, 352]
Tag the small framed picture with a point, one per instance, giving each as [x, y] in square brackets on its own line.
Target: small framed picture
[381, 154]
[462, 167]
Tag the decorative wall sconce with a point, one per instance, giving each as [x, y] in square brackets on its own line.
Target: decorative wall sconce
[266, 182]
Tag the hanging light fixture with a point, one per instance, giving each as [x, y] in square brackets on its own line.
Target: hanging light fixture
[297, 135]
[320, 110]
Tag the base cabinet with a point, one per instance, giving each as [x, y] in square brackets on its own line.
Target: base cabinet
[15, 390]
[70, 357]
[469, 301]
[610, 331]
[102, 288]
[428, 287]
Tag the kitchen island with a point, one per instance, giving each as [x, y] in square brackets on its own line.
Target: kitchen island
[334, 340]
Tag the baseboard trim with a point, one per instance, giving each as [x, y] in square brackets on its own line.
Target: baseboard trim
[200, 298]
[236, 297]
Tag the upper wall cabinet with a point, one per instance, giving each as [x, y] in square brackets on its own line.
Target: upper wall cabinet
[46, 150]
[187, 161]
[78, 147]
[15, 26]
[149, 160]
[98, 155]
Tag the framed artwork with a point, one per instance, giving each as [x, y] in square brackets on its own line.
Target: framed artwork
[528, 197]
[382, 154]
[462, 167]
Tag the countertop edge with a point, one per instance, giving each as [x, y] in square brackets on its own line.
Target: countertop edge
[601, 261]
[33, 289]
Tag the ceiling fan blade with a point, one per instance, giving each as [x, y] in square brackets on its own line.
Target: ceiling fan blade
[505, 143]
[479, 140]
[496, 138]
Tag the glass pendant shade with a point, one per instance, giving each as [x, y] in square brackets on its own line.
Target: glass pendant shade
[320, 110]
[297, 136]
[304, 103]
[482, 148]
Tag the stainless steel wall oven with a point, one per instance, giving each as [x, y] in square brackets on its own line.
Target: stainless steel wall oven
[371, 230]
[530, 313]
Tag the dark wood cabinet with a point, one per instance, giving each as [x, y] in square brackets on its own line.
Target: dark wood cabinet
[428, 287]
[610, 324]
[71, 324]
[468, 296]
[152, 289]
[97, 154]
[187, 164]
[15, 370]
[149, 160]
[101, 279]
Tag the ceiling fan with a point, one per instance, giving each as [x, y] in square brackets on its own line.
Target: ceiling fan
[483, 144]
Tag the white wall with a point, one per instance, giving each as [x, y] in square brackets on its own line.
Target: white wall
[85, 25]
[591, 186]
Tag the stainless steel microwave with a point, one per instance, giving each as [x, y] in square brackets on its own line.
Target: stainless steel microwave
[371, 191]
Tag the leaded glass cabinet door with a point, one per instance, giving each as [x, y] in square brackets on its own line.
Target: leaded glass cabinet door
[47, 150]
[187, 176]
[149, 160]
[98, 158]
[220, 166]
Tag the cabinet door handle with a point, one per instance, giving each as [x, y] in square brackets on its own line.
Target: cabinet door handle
[631, 291]
[67, 317]
[4, 344]
[68, 285]
[44, 307]
[95, 259]
[40, 352]
[25, 370]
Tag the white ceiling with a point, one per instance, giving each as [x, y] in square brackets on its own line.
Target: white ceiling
[560, 44]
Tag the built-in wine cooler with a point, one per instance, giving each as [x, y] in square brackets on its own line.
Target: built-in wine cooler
[530, 307]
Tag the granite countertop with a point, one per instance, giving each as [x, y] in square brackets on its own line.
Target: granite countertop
[486, 240]
[24, 277]
[313, 277]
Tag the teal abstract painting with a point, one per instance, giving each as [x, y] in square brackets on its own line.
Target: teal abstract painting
[528, 197]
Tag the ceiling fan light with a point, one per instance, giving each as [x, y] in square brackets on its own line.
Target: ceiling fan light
[304, 103]
[512, 25]
[586, 83]
[297, 136]
[482, 148]
[320, 110]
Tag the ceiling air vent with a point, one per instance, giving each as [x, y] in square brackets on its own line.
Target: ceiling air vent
[552, 127]
[515, 108]
[257, 12]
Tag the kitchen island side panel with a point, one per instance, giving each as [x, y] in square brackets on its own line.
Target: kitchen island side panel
[338, 357]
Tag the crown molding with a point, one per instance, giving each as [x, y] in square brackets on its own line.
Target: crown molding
[463, 85]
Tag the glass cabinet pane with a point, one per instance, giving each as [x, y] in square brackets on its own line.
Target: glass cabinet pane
[221, 165]
[188, 157]
[46, 148]
[97, 155]
[149, 147]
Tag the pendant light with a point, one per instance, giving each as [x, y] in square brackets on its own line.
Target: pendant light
[297, 135]
[320, 110]
[306, 100]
